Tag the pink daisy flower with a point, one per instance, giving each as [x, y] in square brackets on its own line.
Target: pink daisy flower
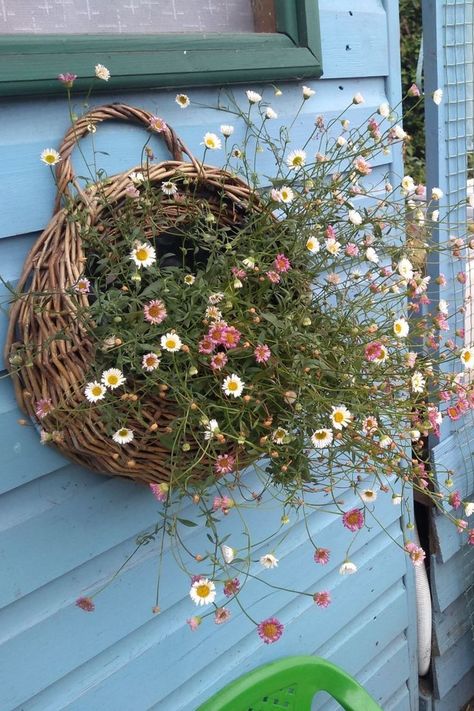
[373, 350]
[224, 463]
[230, 337]
[85, 603]
[322, 599]
[470, 537]
[222, 503]
[155, 311]
[321, 556]
[274, 277]
[262, 353]
[282, 263]
[157, 124]
[330, 232]
[221, 615]
[160, 491]
[417, 554]
[270, 630]
[231, 587]
[353, 519]
[67, 79]
[82, 286]
[43, 407]
[217, 330]
[351, 250]
[206, 345]
[218, 361]
[194, 622]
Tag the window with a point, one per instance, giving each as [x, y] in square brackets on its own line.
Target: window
[145, 45]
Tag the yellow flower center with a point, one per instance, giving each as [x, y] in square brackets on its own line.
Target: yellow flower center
[123, 433]
[320, 435]
[49, 158]
[171, 343]
[338, 417]
[353, 518]
[203, 590]
[112, 379]
[270, 629]
[297, 160]
[398, 328]
[233, 385]
[97, 390]
[467, 356]
[141, 255]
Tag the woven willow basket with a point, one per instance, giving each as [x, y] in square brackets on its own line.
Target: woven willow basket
[44, 367]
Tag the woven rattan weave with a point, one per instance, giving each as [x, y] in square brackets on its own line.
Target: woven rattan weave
[45, 366]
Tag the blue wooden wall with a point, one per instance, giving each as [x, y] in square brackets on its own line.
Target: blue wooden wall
[64, 531]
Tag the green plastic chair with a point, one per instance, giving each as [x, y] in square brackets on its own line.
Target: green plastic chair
[290, 684]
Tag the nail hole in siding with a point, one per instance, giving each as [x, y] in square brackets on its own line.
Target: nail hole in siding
[350, 13]
[341, 88]
[348, 47]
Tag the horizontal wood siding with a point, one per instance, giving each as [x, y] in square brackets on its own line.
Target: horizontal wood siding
[65, 531]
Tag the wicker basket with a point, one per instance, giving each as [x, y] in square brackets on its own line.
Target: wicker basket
[43, 367]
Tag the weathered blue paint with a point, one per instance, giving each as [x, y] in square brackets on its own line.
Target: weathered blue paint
[65, 531]
[446, 150]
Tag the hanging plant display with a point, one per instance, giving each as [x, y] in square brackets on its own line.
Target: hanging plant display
[178, 322]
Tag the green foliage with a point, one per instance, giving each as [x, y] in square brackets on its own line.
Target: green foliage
[414, 119]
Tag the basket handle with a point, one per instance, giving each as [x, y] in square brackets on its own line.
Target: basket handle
[122, 112]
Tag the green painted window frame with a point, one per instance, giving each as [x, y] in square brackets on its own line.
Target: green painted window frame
[29, 64]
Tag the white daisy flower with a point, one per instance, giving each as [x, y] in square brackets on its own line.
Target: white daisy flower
[340, 417]
[228, 553]
[50, 156]
[203, 592]
[437, 96]
[286, 194]
[467, 357]
[113, 378]
[270, 113]
[354, 217]
[385, 442]
[102, 72]
[123, 436]
[279, 435]
[249, 262]
[212, 428]
[233, 385]
[405, 268]
[468, 508]
[443, 306]
[213, 313]
[217, 297]
[371, 255]
[434, 215]
[137, 177]
[322, 438]
[384, 110]
[227, 130]
[399, 133]
[383, 355]
[436, 194]
[368, 495]
[333, 246]
[408, 184]
[308, 92]
[212, 141]
[143, 254]
[348, 568]
[418, 382]
[296, 159]
[358, 98]
[341, 141]
[253, 97]
[150, 362]
[182, 100]
[312, 245]
[95, 391]
[169, 188]
[189, 279]
[269, 561]
[401, 327]
[171, 342]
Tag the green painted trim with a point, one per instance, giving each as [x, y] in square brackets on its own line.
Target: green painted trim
[30, 64]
